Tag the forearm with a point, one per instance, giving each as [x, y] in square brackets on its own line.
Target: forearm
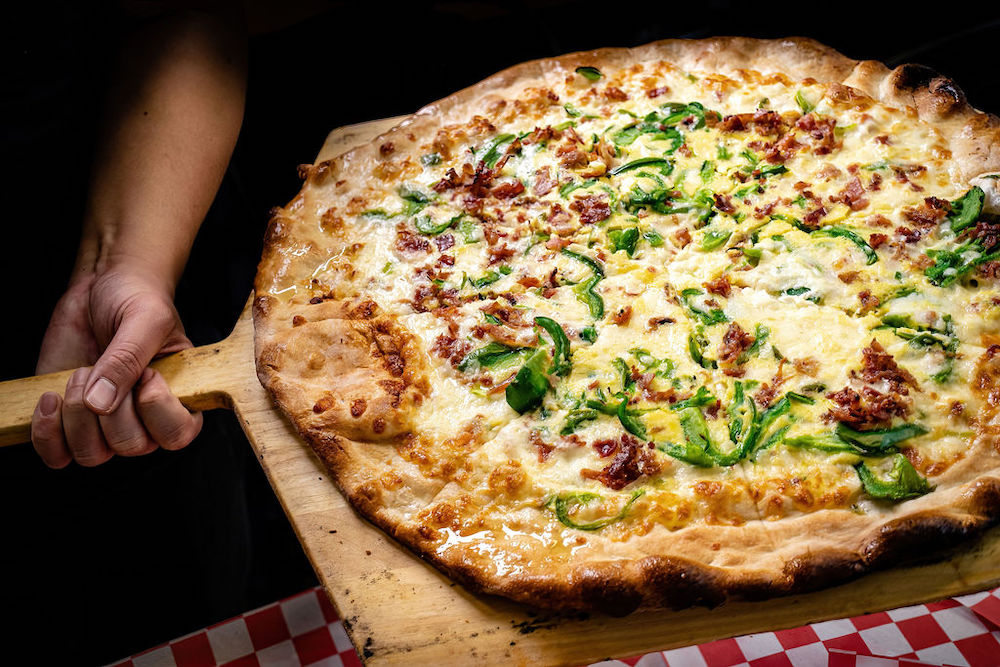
[175, 110]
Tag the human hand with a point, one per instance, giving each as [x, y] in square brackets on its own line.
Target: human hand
[110, 327]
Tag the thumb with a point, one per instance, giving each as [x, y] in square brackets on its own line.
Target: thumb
[135, 343]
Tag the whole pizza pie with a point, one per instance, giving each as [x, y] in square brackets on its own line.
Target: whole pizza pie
[654, 327]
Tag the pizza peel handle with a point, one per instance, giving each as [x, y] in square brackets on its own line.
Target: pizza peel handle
[202, 377]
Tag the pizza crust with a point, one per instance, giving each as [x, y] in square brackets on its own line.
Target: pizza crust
[373, 359]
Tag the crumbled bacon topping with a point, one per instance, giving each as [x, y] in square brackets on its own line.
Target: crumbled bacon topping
[734, 342]
[631, 460]
[592, 208]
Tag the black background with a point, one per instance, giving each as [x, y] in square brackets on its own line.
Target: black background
[96, 564]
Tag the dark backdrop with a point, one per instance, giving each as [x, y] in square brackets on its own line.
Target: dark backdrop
[101, 563]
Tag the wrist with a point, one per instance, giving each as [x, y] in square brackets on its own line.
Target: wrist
[104, 252]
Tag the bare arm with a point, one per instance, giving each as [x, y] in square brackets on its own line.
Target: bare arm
[174, 113]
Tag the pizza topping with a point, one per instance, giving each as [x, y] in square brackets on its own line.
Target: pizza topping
[631, 460]
[903, 481]
[567, 505]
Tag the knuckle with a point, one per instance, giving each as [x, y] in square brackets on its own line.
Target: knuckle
[125, 360]
[127, 444]
[89, 458]
[177, 436]
[150, 396]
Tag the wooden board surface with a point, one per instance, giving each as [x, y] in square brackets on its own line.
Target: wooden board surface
[397, 609]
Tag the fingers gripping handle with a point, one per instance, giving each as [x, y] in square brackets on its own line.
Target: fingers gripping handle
[191, 374]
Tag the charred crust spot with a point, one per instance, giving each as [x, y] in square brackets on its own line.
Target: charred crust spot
[680, 584]
[298, 321]
[915, 535]
[358, 407]
[604, 586]
[378, 425]
[821, 570]
[386, 149]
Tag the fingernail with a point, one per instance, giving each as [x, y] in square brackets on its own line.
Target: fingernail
[101, 395]
[48, 404]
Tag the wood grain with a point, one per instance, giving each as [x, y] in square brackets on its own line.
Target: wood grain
[397, 609]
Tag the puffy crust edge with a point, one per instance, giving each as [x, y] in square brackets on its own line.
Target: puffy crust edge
[620, 587]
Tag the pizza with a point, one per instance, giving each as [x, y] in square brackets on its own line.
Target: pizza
[654, 327]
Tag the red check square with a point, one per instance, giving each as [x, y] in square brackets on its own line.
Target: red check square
[723, 653]
[314, 645]
[267, 627]
[922, 631]
[195, 651]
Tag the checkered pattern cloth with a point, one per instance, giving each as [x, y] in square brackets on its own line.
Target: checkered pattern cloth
[304, 630]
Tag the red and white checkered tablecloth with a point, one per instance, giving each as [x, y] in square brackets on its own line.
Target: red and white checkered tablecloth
[304, 630]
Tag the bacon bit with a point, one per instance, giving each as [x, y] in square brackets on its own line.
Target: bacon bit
[869, 302]
[323, 404]
[956, 408]
[848, 277]
[713, 410]
[298, 321]
[592, 208]
[615, 94]
[903, 175]
[539, 135]
[451, 348]
[358, 407]
[812, 218]
[544, 449]
[500, 254]
[864, 412]
[606, 448]
[880, 365]
[683, 237]
[734, 372]
[734, 342]
[783, 149]
[622, 316]
[570, 156]
[556, 243]
[877, 240]
[989, 269]
[765, 211]
[876, 182]
[852, 195]
[444, 242]
[928, 214]
[445, 260]
[720, 286]
[508, 190]
[656, 92]
[409, 243]
[631, 461]
[986, 232]
[724, 203]
[871, 408]
[878, 220]
[656, 322]
[821, 131]
[529, 281]
[765, 396]
[509, 315]
[806, 366]
[605, 152]
[544, 183]
[908, 235]
[449, 181]
[883, 139]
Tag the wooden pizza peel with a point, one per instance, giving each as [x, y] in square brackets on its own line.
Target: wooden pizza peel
[398, 609]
